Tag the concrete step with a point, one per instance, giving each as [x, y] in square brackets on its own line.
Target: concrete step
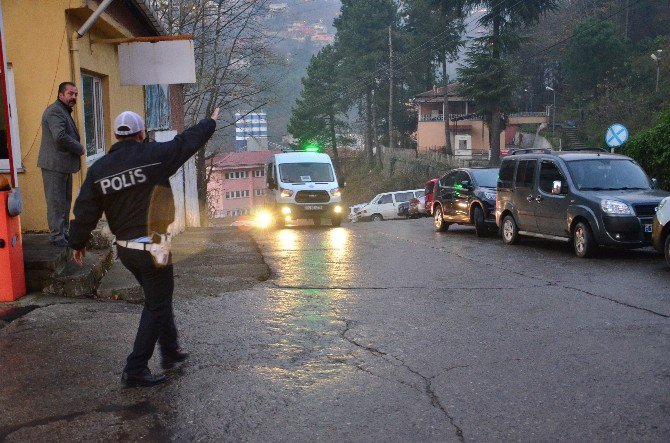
[41, 260]
[80, 282]
[120, 284]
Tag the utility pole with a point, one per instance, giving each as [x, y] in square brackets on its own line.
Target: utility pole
[657, 58]
[391, 144]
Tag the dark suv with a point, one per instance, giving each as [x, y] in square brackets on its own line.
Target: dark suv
[466, 196]
[588, 197]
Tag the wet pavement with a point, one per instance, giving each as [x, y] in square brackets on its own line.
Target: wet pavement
[372, 331]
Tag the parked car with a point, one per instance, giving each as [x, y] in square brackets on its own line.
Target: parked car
[588, 197]
[417, 207]
[661, 229]
[403, 209]
[353, 212]
[429, 190]
[466, 196]
[385, 206]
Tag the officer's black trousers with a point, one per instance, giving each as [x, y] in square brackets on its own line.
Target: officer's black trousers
[157, 321]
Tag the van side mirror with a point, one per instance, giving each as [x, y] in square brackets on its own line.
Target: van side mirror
[556, 187]
[654, 183]
[272, 183]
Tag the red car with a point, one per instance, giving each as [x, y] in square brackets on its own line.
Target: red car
[430, 189]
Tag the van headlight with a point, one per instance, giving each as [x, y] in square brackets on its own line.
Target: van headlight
[337, 209]
[335, 192]
[615, 207]
[286, 193]
[286, 210]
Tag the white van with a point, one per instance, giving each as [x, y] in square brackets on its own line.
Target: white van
[385, 206]
[302, 185]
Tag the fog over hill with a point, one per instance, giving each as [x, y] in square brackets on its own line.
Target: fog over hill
[299, 29]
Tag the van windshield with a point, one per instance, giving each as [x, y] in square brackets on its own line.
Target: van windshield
[607, 175]
[305, 172]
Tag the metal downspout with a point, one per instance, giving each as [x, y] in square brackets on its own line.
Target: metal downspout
[76, 67]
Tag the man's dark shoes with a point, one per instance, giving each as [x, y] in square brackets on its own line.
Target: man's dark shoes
[171, 359]
[144, 379]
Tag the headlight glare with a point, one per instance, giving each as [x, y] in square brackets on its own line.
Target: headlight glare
[614, 207]
[335, 192]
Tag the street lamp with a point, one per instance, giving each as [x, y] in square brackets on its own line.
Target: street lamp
[553, 117]
[657, 58]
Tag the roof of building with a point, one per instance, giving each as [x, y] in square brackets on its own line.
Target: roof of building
[437, 93]
[242, 159]
[150, 16]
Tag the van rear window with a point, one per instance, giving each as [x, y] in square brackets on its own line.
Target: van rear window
[506, 176]
[525, 174]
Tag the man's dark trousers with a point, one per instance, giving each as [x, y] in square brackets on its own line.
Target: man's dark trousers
[157, 321]
[58, 193]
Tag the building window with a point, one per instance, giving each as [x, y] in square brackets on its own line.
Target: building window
[94, 119]
[237, 194]
[259, 192]
[259, 173]
[235, 175]
[157, 102]
[237, 212]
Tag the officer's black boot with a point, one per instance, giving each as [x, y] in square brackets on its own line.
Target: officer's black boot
[177, 356]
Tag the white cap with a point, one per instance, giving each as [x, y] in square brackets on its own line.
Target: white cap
[128, 123]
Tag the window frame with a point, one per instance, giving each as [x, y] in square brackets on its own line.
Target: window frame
[98, 118]
[564, 182]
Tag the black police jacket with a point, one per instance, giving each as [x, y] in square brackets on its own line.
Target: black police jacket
[131, 186]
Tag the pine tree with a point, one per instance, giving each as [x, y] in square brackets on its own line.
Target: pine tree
[504, 19]
[315, 117]
[362, 43]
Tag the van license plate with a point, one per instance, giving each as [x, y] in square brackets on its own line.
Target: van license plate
[647, 228]
[313, 208]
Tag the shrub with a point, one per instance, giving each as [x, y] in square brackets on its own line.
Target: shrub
[651, 149]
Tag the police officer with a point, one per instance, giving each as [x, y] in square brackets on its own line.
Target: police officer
[131, 186]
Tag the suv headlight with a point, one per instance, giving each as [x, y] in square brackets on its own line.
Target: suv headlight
[285, 193]
[615, 207]
[335, 192]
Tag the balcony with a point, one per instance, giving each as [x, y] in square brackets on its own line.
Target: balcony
[452, 117]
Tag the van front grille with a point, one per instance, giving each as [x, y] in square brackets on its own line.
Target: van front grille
[645, 210]
[312, 197]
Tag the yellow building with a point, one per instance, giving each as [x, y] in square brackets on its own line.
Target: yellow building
[41, 51]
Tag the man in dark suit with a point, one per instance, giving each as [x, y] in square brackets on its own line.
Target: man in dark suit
[59, 158]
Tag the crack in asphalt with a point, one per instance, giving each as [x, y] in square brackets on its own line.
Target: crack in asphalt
[532, 277]
[380, 288]
[428, 388]
[127, 412]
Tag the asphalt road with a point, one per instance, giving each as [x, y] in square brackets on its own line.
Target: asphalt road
[369, 332]
[390, 331]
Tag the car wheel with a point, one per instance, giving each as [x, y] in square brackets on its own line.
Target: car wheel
[336, 221]
[510, 231]
[440, 225]
[583, 241]
[667, 249]
[478, 216]
[377, 218]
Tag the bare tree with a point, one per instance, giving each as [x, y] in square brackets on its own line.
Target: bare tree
[231, 47]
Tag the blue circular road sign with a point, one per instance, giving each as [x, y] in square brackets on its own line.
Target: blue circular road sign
[616, 135]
